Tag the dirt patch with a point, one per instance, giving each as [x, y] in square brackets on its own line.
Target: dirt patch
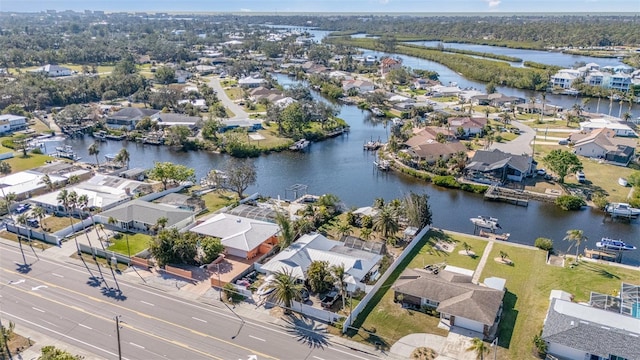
[468, 253]
[444, 246]
[277, 312]
[503, 261]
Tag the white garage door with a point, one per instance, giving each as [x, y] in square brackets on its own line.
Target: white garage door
[469, 324]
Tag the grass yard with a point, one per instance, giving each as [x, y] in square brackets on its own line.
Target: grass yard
[386, 322]
[443, 99]
[57, 223]
[215, 200]
[20, 163]
[137, 243]
[529, 282]
[234, 93]
[35, 243]
[228, 83]
[553, 124]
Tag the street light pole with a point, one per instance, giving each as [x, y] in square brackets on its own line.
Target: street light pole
[117, 318]
[495, 350]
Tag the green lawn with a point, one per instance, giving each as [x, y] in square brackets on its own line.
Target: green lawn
[57, 223]
[234, 93]
[215, 200]
[446, 99]
[137, 243]
[529, 282]
[19, 163]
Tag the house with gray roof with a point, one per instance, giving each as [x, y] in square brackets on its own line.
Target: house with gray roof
[174, 119]
[142, 216]
[129, 117]
[604, 144]
[451, 293]
[52, 70]
[495, 166]
[242, 237]
[577, 331]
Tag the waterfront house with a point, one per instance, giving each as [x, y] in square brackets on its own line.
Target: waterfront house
[607, 329]
[496, 100]
[359, 265]
[619, 128]
[51, 70]
[251, 82]
[445, 91]
[495, 166]
[142, 216]
[129, 117]
[387, 64]
[604, 144]
[242, 237]
[451, 293]
[564, 78]
[250, 124]
[536, 108]
[432, 151]
[10, 123]
[174, 119]
[361, 86]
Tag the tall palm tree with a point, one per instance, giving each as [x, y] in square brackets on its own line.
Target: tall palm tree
[66, 199]
[339, 277]
[46, 180]
[39, 212]
[123, 157]
[479, 347]
[344, 229]
[95, 150]
[385, 223]
[286, 288]
[5, 168]
[83, 203]
[287, 234]
[576, 237]
[544, 99]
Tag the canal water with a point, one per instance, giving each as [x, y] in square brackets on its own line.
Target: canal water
[341, 166]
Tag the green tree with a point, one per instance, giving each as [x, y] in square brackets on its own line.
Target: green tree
[94, 150]
[177, 136]
[167, 172]
[211, 249]
[123, 157]
[286, 288]
[562, 163]
[319, 276]
[5, 168]
[40, 213]
[544, 244]
[210, 129]
[170, 246]
[287, 234]
[344, 229]
[340, 280]
[479, 347]
[50, 352]
[466, 247]
[239, 175]
[417, 209]
[385, 223]
[365, 233]
[164, 75]
[576, 237]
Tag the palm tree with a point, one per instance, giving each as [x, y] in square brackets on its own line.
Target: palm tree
[95, 150]
[39, 212]
[365, 233]
[161, 222]
[5, 168]
[466, 247]
[46, 180]
[66, 199]
[344, 229]
[385, 223]
[575, 237]
[286, 288]
[23, 220]
[287, 234]
[479, 347]
[123, 157]
[503, 255]
[544, 98]
[83, 203]
[339, 277]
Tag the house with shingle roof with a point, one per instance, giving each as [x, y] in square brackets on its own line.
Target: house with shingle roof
[129, 117]
[577, 331]
[242, 237]
[450, 292]
[471, 125]
[604, 144]
[388, 64]
[142, 216]
[497, 166]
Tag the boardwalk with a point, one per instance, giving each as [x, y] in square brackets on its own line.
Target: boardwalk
[482, 263]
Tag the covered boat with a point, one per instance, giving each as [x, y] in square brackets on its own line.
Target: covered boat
[611, 244]
[486, 222]
[622, 209]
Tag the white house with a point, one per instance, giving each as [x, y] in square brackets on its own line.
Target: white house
[577, 331]
[242, 237]
[251, 82]
[564, 78]
[361, 85]
[601, 123]
[604, 144]
[142, 216]
[358, 264]
[11, 123]
[53, 70]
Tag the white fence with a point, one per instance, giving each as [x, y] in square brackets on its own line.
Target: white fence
[157, 195]
[33, 234]
[104, 254]
[71, 229]
[358, 309]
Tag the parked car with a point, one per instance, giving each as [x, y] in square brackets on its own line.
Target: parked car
[32, 222]
[580, 177]
[22, 208]
[304, 295]
[563, 142]
[329, 299]
[541, 172]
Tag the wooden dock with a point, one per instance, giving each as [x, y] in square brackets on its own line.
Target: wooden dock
[515, 197]
[608, 255]
[494, 236]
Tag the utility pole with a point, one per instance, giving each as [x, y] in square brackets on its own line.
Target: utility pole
[117, 318]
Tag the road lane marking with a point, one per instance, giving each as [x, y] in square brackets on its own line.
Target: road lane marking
[85, 326]
[61, 334]
[50, 323]
[315, 357]
[136, 345]
[124, 308]
[36, 309]
[36, 288]
[195, 318]
[16, 282]
[57, 275]
[146, 303]
[257, 338]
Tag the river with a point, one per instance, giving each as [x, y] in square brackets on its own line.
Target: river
[340, 166]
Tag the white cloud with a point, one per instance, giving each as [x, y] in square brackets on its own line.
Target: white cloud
[492, 3]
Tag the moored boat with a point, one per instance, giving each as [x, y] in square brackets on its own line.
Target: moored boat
[486, 222]
[300, 145]
[382, 164]
[611, 244]
[621, 209]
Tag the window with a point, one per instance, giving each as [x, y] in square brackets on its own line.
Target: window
[615, 357]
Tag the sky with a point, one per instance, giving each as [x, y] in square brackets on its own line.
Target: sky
[324, 6]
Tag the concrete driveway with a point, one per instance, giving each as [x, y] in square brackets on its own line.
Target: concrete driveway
[452, 347]
[239, 112]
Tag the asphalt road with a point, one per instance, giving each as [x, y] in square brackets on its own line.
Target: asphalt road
[72, 303]
[237, 110]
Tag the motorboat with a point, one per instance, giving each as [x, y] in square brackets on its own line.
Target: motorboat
[382, 164]
[621, 209]
[623, 182]
[486, 222]
[611, 244]
[377, 112]
[300, 145]
[67, 152]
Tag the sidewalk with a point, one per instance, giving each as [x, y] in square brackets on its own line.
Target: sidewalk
[200, 292]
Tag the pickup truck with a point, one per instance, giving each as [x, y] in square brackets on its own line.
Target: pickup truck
[329, 299]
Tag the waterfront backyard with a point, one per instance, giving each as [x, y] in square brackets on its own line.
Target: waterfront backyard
[529, 282]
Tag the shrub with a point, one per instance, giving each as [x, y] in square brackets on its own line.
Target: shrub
[232, 295]
[599, 200]
[446, 181]
[8, 143]
[544, 244]
[476, 189]
[570, 202]
[36, 151]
